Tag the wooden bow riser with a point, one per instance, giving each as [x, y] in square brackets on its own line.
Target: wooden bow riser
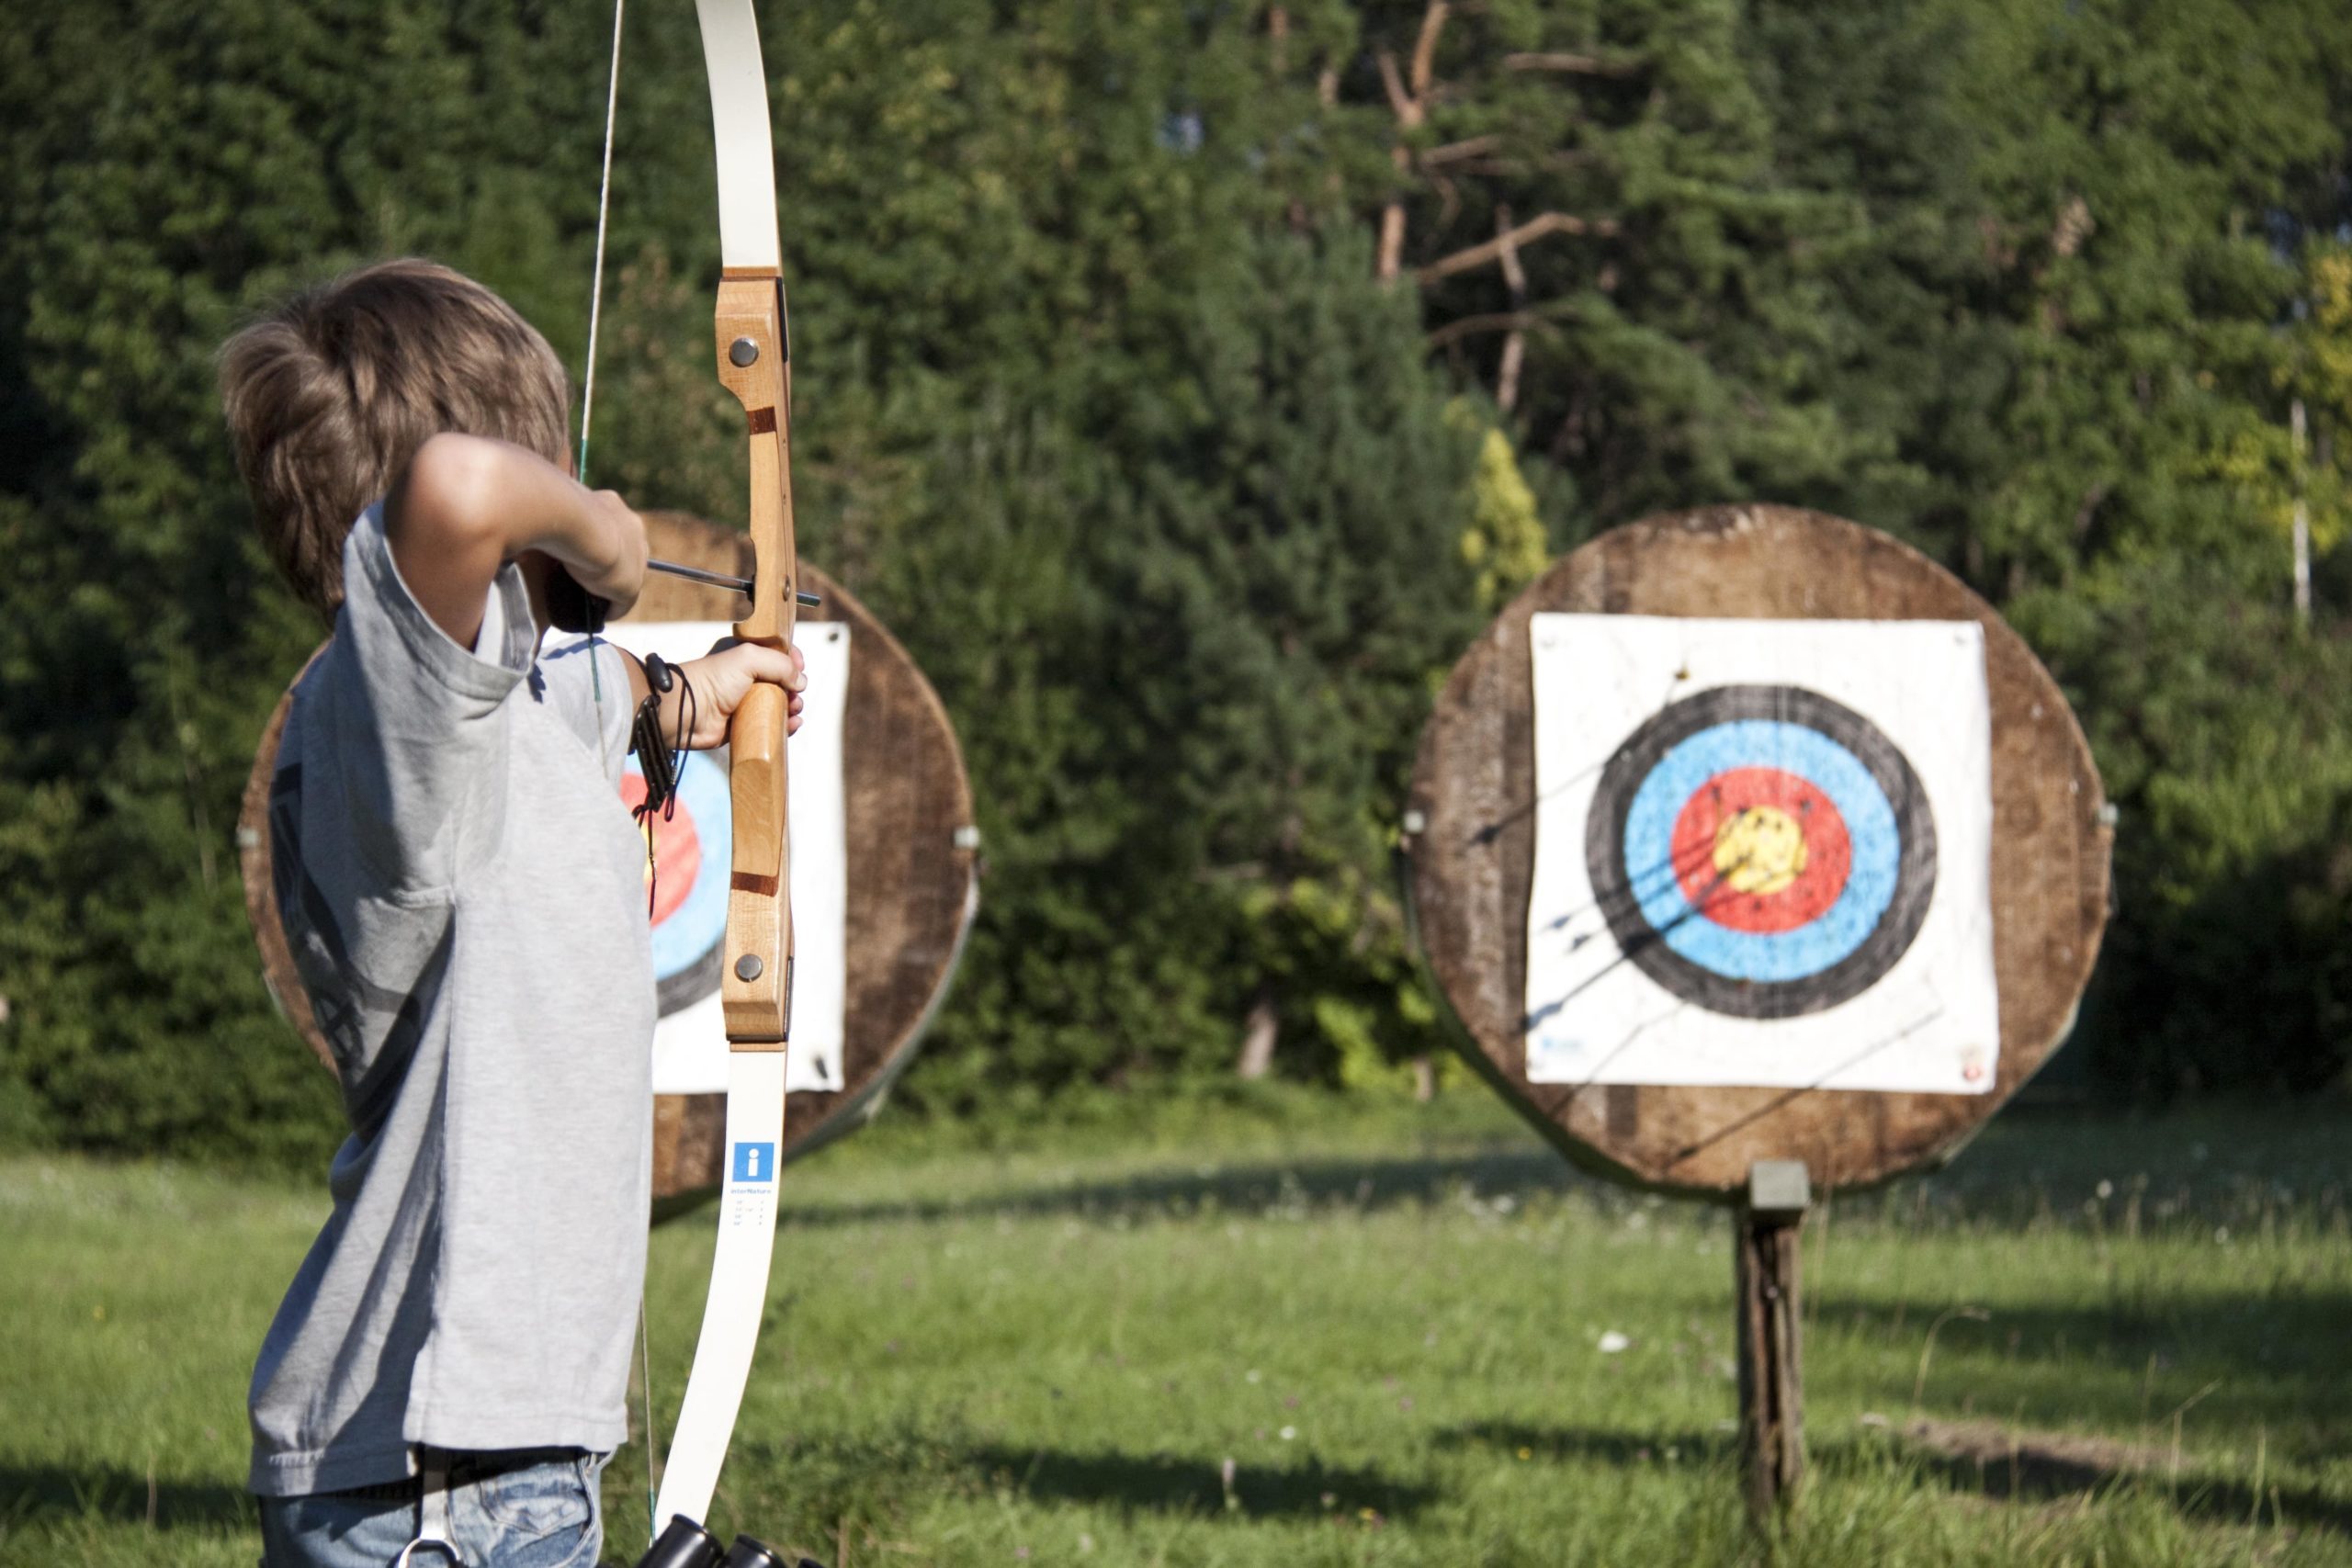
[756, 983]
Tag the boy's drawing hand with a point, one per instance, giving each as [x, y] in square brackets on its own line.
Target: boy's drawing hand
[720, 680]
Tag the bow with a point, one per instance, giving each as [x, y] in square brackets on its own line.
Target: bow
[756, 983]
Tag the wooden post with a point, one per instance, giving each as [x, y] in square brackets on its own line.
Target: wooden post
[1767, 1275]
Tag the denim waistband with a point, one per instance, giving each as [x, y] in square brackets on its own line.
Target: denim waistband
[462, 1467]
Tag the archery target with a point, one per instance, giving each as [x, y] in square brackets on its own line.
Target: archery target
[689, 908]
[693, 853]
[1762, 854]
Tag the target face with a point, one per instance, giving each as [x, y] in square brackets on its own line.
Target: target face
[1762, 851]
[687, 871]
[693, 858]
[1762, 854]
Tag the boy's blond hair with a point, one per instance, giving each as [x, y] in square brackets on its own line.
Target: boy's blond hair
[330, 394]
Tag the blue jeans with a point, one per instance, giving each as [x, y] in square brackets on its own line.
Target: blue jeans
[508, 1510]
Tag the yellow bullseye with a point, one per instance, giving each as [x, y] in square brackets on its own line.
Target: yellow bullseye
[1760, 850]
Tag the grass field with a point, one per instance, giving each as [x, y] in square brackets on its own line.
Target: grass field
[1413, 1334]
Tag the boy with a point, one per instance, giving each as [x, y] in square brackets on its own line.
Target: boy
[464, 895]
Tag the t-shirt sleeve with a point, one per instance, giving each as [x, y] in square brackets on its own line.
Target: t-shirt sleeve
[412, 720]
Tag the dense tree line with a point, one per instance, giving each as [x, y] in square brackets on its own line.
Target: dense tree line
[1186, 385]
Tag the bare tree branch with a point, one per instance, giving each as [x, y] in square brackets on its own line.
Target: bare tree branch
[1515, 344]
[1448, 201]
[1390, 260]
[1527, 233]
[1425, 48]
[1411, 107]
[1478, 326]
[1401, 102]
[1572, 64]
[1476, 147]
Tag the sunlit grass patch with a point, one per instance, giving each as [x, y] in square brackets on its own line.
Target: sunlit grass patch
[1306, 1333]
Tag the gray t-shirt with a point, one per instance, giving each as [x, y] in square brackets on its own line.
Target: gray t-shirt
[464, 895]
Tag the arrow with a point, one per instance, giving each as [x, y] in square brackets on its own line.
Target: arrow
[743, 585]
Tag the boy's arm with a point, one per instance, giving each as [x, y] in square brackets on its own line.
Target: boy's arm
[465, 505]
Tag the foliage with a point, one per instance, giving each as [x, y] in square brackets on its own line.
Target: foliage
[1254, 555]
[163, 171]
[1503, 542]
[2260, 458]
[1102, 407]
[2219, 734]
[2032, 290]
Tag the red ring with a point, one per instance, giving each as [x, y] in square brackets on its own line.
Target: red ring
[1829, 852]
[677, 849]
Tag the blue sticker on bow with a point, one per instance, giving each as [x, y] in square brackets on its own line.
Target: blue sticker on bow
[755, 1162]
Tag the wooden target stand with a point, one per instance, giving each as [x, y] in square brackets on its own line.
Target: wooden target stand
[912, 865]
[1470, 833]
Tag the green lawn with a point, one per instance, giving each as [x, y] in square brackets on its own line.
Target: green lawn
[2092, 1340]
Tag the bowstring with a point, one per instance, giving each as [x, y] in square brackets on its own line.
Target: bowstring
[604, 212]
[587, 412]
[596, 319]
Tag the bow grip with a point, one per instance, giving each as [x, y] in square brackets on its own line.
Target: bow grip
[756, 989]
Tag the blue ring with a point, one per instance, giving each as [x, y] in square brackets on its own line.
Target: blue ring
[1839, 930]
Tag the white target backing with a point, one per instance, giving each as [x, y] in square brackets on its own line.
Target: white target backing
[691, 859]
[1762, 854]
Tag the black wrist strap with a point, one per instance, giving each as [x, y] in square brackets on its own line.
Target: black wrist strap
[653, 757]
[659, 763]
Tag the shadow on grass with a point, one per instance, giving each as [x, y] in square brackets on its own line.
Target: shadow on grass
[1188, 1485]
[2028, 1467]
[1338, 1184]
[1624, 1450]
[121, 1497]
[2267, 1352]
[2009, 1179]
[2297, 1328]
[1978, 1459]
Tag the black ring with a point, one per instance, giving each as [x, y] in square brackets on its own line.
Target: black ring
[1645, 945]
